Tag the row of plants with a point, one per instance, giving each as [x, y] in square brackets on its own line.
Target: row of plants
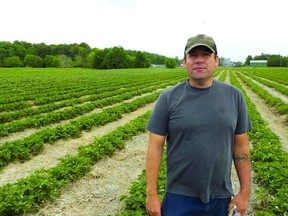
[45, 107]
[269, 160]
[223, 76]
[280, 106]
[72, 112]
[94, 100]
[15, 106]
[25, 86]
[34, 144]
[55, 90]
[29, 81]
[217, 72]
[25, 83]
[39, 99]
[278, 75]
[276, 86]
[60, 94]
[65, 85]
[35, 97]
[28, 194]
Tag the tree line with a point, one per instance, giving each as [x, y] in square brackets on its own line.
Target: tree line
[272, 60]
[24, 54]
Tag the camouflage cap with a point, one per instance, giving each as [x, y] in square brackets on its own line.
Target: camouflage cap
[200, 40]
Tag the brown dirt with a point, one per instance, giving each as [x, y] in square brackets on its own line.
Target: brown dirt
[275, 121]
[272, 91]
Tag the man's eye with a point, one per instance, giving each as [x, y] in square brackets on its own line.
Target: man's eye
[193, 55]
[203, 55]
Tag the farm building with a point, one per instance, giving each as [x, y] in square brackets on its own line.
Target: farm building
[258, 63]
[225, 62]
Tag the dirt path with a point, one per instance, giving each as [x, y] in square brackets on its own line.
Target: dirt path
[49, 157]
[272, 91]
[275, 121]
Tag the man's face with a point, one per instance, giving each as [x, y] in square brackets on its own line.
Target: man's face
[200, 63]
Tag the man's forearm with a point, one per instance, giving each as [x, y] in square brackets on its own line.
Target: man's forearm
[153, 162]
[243, 167]
[242, 161]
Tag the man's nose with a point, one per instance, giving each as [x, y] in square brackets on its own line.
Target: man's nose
[199, 57]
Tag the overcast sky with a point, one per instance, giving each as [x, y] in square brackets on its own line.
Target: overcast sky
[239, 27]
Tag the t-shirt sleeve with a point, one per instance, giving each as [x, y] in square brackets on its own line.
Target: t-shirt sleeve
[244, 123]
[158, 121]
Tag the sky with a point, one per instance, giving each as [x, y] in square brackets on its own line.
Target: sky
[239, 27]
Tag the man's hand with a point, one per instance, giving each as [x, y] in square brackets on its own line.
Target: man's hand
[242, 203]
[153, 205]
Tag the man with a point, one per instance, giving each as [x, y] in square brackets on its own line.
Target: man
[205, 123]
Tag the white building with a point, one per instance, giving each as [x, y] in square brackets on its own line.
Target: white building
[225, 62]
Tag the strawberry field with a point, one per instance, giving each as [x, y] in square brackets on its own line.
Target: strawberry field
[72, 141]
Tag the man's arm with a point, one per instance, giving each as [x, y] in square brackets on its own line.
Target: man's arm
[153, 163]
[242, 164]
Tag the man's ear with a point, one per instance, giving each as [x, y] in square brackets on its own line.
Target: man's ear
[184, 62]
[216, 61]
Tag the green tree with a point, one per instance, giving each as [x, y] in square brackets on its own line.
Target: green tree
[73, 50]
[79, 61]
[131, 61]
[141, 60]
[274, 60]
[170, 63]
[14, 61]
[42, 49]
[116, 58]
[261, 57]
[98, 58]
[248, 59]
[51, 61]
[33, 61]
[20, 49]
[84, 50]
[89, 60]
[284, 62]
[65, 62]
[6, 50]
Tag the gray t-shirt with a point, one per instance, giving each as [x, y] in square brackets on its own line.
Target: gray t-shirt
[199, 125]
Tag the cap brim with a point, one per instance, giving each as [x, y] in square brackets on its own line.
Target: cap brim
[196, 45]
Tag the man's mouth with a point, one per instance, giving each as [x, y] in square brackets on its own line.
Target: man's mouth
[199, 68]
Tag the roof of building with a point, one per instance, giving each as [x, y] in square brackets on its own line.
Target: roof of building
[258, 61]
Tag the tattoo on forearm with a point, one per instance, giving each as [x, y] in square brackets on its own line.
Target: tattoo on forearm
[244, 157]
